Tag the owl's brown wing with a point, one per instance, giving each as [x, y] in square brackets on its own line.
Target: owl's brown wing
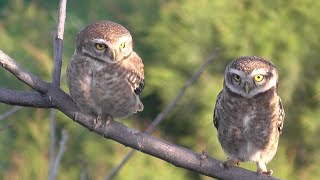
[136, 82]
[215, 112]
[135, 73]
[281, 116]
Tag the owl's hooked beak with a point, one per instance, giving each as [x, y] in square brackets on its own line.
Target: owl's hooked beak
[111, 54]
[247, 87]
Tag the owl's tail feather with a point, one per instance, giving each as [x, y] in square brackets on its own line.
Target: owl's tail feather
[139, 106]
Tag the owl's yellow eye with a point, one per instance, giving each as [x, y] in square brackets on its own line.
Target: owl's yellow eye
[236, 77]
[100, 46]
[258, 78]
[123, 45]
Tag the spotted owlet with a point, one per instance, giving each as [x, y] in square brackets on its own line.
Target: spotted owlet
[249, 114]
[105, 76]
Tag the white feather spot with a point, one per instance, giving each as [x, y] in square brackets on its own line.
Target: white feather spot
[246, 121]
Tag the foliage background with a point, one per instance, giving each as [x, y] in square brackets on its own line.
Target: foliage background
[173, 38]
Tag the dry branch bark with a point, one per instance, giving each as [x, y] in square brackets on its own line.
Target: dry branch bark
[51, 96]
[24, 98]
[23, 75]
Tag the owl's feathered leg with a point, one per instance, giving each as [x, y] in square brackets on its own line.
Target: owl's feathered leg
[262, 168]
[229, 163]
[101, 120]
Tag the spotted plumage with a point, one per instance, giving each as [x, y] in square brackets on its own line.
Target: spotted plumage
[249, 114]
[105, 76]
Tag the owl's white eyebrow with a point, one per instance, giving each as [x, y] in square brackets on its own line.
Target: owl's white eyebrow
[124, 39]
[259, 71]
[101, 41]
[235, 71]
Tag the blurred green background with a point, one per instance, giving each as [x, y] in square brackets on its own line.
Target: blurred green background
[173, 38]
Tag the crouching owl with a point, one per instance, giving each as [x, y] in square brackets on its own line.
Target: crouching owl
[105, 76]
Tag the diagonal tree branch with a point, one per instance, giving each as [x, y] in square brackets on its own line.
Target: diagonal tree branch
[118, 132]
[23, 75]
[159, 118]
[171, 153]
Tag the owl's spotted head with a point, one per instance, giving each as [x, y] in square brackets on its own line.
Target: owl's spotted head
[250, 75]
[104, 41]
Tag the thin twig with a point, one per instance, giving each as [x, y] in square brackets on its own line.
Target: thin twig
[116, 169]
[84, 172]
[194, 77]
[58, 43]
[52, 142]
[159, 118]
[58, 46]
[25, 98]
[10, 112]
[62, 148]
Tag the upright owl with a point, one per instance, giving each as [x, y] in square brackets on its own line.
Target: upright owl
[105, 76]
[249, 114]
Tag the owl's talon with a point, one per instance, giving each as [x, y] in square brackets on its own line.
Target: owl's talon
[229, 163]
[101, 121]
[95, 123]
[224, 165]
[75, 117]
[268, 173]
[105, 119]
[108, 119]
[262, 169]
[203, 155]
